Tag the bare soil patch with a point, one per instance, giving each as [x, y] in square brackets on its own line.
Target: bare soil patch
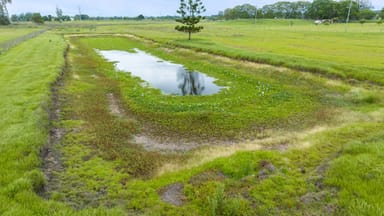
[50, 154]
[114, 105]
[173, 194]
[164, 145]
[209, 175]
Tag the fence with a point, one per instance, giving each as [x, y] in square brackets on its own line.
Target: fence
[9, 44]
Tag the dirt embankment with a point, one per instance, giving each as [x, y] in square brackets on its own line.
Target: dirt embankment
[50, 153]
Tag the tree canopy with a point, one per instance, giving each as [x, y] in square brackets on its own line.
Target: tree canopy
[37, 18]
[244, 11]
[59, 14]
[190, 13]
[4, 17]
[318, 9]
[381, 14]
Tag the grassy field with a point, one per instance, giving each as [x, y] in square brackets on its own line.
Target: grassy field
[25, 101]
[10, 33]
[295, 44]
[302, 139]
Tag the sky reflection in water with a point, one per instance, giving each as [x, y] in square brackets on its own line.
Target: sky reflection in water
[170, 78]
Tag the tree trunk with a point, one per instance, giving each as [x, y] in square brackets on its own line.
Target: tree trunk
[189, 35]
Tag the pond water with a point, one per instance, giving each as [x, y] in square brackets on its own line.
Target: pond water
[170, 78]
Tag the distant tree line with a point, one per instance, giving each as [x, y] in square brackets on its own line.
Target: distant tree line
[29, 17]
[318, 9]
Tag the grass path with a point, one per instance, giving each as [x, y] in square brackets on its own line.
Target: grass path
[26, 74]
[10, 33]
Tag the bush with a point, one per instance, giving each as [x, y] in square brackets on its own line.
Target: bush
[4, 20]
[367, 14]
[37, 18]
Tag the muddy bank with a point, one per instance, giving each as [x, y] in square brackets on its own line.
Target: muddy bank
[50, 154]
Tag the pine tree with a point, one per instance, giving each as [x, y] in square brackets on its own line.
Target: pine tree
[190, 12]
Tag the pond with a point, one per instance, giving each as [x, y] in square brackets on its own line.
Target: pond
[169, 77]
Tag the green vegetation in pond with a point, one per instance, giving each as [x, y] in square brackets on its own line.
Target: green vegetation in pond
[256, 98]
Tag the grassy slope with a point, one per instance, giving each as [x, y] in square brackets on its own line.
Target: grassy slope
[25, 99]
[324, 49]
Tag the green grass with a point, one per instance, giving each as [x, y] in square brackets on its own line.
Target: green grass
[216, 186]
[358, 173]
[25, 99]
[231, 186]
[25, 91]
[10, 33]
[333, 131]
[255, 98]
[304, 46]
[240, 190]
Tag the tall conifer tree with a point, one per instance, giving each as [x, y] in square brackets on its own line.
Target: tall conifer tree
[190, 12]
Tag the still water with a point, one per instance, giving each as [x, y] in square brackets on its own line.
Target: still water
[170, 78]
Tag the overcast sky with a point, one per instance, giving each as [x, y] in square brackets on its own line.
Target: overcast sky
[129, 7]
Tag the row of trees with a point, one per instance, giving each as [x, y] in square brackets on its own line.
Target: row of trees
[27, 17]
[37, 18]
[318, 9]
[330, 9]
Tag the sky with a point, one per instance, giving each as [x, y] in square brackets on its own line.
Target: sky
[129, 7]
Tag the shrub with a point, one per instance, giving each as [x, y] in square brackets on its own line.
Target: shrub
[4, 20]
[37, 18]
